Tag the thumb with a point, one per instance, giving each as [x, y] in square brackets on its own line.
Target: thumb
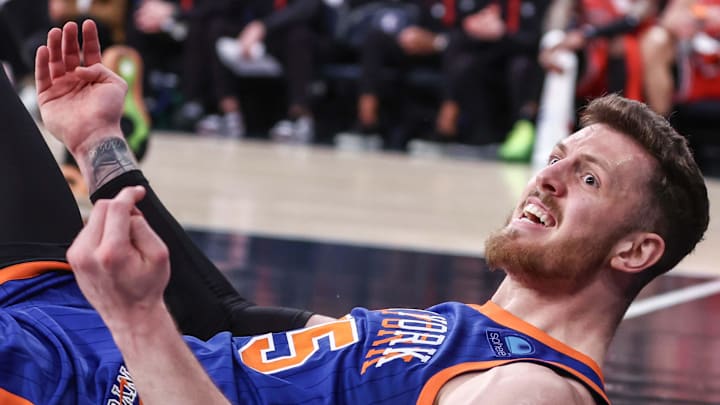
[98, 73]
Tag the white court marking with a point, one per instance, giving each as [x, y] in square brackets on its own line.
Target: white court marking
[666, 300]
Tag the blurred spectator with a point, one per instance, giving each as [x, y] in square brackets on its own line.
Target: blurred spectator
[280, 29]
[175, 39]
[682, 74]
[686, 40]
[402, 35]
[154, 28]
[108, 14]
[33, 20]
[606, 34]
[494, 46]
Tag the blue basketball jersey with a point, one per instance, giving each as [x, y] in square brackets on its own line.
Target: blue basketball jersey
[54, 348]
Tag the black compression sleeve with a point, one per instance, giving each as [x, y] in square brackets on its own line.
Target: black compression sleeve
[199, 297]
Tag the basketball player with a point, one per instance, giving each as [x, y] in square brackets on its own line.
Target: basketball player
[619, 203]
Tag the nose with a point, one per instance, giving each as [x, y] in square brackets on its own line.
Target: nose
[551, 179]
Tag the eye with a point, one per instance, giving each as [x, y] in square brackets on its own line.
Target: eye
[553, 160]
[590, 180]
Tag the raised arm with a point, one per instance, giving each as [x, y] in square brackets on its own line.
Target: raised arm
[122, 267]
[81, 105]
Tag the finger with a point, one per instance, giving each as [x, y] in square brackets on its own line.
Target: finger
[98, 73]
[56, 64]
[117, 224]
[146, 241]
[92, 233]
[91, 43]
[42, 70]
[70, 46]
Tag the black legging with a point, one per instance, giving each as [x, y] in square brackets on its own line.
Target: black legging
[41, 220]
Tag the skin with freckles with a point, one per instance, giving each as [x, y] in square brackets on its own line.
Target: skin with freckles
[588, 202]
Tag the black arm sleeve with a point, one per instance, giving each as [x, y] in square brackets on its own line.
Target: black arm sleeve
[199, 297]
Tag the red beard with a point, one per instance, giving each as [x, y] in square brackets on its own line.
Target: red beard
[558, 268]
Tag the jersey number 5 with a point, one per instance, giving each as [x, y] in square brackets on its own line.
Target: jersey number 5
[302, 344]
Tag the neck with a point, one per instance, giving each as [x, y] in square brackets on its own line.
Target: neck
[568, 318]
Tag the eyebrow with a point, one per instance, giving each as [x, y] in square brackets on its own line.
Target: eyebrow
[603, 163]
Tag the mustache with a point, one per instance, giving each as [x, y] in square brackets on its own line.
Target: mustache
[547, 200]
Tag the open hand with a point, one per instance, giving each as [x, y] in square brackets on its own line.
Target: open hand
[78, 97]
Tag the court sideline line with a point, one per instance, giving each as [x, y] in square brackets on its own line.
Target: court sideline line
[669, 299]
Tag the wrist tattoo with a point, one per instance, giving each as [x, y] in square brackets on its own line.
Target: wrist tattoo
[109, 159]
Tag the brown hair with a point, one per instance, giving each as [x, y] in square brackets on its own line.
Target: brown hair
[677, 204]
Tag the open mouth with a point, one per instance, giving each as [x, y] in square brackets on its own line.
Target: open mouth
[536, 215]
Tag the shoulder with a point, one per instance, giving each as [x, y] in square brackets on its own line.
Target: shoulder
[517, 383]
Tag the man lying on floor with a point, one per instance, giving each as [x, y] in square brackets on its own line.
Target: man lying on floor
[620, 202]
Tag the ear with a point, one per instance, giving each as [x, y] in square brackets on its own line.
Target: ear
[636, 252]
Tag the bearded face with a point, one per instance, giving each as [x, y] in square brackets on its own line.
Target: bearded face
[574, 212]
[558, 265]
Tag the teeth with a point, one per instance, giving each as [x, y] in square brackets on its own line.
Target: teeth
[535, 211]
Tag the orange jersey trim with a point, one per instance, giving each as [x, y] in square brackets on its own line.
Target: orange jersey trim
[499, 315]
[493, 311]
[27, 270]
[8, 398]
[505, 318]
[435, 383]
